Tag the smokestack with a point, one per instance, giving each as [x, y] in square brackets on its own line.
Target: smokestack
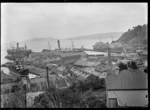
[25, 46]
[58, 44]
[17, 45]
[72, 44]
[109, 56]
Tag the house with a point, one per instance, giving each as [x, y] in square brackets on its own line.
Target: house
[128, 88]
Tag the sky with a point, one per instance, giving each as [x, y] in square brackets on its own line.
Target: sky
[24, 21]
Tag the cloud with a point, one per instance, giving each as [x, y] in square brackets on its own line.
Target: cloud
[60, 20]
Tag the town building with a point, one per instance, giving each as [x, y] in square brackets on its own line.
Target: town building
[127, 89]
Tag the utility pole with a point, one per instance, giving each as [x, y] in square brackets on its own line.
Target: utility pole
[25, 89]
[49, 45]
[23, 63]
[109, 58]
[25, 97]
[47, 78]
[72, 44]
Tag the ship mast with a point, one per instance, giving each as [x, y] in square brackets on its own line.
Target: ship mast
[25, 47]
[109, 58]
[49, 45]
[72, 45]
[112, 39]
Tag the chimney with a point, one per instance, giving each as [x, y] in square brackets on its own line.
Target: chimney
[25, 46]
[72, 44]
[17, 45]
[109, 56]
[58, 44]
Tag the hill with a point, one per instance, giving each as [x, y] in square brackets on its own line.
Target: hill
[41, 39]
[135, 37]
[99, 36]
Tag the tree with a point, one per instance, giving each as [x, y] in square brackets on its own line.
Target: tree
[122, 66]
[132, 65]
[145, 70]
[49, 99]
[100, 46]
[72, 97]
[15, 100]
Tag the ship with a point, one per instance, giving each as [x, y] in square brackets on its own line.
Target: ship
[17, 53]
[17, 56]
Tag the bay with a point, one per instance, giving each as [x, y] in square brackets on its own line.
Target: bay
[38, 46]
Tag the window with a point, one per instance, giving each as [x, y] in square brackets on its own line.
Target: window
[41, 84]
[146, 96]
[39, 87]
[44, 85]
[15, 88]
[113, 102]
[33, 87]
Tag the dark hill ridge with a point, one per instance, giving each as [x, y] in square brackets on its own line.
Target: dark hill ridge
[135, 37]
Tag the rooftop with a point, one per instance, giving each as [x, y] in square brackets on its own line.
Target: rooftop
[136, 79]
[95, 53]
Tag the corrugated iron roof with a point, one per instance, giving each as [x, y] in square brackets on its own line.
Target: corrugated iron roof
[86, 63]
[136, 79]
[61, 83]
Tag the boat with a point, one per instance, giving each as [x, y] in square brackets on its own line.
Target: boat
[17, 53]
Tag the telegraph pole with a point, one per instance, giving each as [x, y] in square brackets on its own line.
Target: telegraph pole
[25, 97]
[47, 78]
[109, 58]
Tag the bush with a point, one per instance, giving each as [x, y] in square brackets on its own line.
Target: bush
[122, 66]
[16, 100]
[72, 97]
[94, 102]
[48, 100]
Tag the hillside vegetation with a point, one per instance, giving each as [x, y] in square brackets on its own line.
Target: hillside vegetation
[135, 37]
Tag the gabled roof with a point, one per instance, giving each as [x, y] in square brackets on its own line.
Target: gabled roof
[80, 62]
[86, 63]
[136, 79]
[91, 77]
